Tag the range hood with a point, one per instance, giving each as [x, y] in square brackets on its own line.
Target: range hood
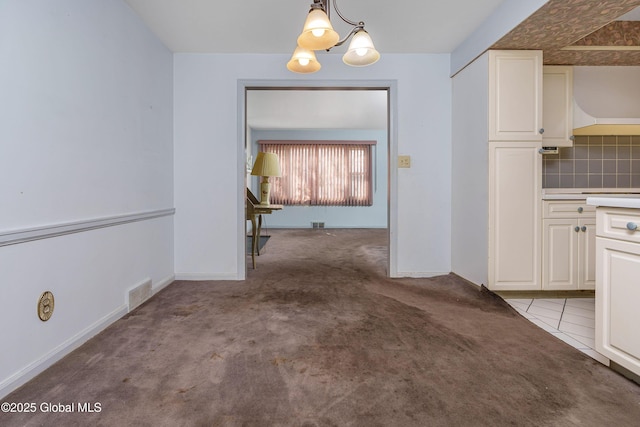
[606, 100]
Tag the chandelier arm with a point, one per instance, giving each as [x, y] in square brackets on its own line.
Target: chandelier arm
[352, 32]
[348, 21]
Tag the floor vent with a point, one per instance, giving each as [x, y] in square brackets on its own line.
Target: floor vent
[317, 224]
[139, 294]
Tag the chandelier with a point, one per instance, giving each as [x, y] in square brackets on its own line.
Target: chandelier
[318, 34]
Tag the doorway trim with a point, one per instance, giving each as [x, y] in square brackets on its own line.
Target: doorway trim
[392, 136]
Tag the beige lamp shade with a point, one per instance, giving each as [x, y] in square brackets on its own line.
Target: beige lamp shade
[303, 61]
[361, 51]
[266, 164]
[318, 33]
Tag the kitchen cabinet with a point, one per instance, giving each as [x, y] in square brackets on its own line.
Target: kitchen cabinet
[568, 246]
[515, 169]
[497, 171]
[515, 174]
[515, 95]
[618, 286]
[557, 106]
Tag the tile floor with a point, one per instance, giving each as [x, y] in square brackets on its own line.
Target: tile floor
[572, 320]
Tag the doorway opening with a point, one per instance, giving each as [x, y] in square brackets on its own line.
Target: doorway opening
[322, 111]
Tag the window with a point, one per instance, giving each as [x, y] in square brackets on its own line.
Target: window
[322, 173]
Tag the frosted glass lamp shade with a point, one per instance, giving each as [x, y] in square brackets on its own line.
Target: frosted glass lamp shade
[303, 61]
[318, 33]
[361, 51]
[266, 164]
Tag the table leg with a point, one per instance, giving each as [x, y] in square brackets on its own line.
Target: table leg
[258, 236]
[253, 241]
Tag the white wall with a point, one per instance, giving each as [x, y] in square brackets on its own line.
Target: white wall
[85, 135]
[207, 159]
[469, 238]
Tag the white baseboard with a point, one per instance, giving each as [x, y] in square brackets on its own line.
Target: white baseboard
[157, 287]
[206, 276]
[420, 275]
[36, 367]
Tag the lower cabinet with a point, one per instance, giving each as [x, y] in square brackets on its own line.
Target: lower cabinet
[568, 246]
[618, 290]
[515, 171]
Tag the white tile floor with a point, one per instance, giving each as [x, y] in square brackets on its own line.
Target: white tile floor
[572, 320]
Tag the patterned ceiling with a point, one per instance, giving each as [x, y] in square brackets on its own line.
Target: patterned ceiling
[579, 32]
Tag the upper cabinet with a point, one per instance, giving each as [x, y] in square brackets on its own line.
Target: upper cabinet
[515, 95]
[557, 106]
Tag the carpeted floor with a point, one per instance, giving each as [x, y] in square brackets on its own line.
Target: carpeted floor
[318, 336]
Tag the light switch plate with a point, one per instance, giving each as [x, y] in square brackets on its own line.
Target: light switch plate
[404, 161]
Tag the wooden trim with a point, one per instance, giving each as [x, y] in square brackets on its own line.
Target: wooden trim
[55, 230]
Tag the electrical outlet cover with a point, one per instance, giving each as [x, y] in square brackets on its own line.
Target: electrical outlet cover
[404, 161]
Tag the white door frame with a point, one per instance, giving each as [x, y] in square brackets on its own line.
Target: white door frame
[392, 135]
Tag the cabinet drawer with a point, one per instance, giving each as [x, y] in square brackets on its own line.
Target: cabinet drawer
[567, 209]
[620, 224]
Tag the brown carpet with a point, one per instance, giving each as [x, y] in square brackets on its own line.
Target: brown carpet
[318, 336]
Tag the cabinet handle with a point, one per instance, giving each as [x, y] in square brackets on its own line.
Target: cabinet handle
[580, 209]
[577, 228]
[572, 137]
[584, 228]
[541, 131]
[632, 226]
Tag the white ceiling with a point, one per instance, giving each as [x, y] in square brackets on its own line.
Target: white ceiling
[263, 26]
[267, 26]
[260, 26]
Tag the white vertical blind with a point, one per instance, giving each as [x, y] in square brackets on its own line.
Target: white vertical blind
[322, 173]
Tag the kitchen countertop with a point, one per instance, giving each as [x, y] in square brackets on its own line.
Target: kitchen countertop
[584, 193]
[615, 202]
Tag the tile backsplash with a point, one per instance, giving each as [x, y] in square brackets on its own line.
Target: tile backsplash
[594, 162]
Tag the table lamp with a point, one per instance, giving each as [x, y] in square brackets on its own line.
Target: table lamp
[266, 165]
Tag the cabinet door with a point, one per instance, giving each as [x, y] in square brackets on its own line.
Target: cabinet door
[560, 246]
[515, 171]
[617, 296]
[515, 95]
[587, 254]
[557, 106]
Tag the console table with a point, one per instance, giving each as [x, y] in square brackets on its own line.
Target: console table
[255, 210]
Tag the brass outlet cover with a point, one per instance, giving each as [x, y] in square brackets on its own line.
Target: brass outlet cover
[45, 306]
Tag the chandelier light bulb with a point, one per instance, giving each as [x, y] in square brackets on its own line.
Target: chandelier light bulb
[361, 51]
[303, 61]
[318, 33]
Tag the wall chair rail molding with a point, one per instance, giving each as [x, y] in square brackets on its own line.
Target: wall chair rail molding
[14, 237]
